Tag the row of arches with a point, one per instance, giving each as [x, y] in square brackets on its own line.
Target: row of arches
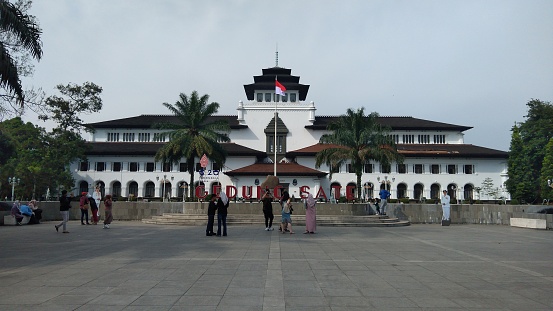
[418, 191]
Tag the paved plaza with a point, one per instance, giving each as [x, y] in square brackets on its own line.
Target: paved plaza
[135, 266]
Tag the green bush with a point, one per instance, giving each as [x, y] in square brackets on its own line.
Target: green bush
[392, 200]
[430, 201]
[404, 200]
[342, 200]
[514, 202]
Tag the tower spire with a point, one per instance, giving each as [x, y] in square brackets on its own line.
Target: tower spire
[276, 55]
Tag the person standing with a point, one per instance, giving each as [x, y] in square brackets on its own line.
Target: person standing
[65, 205]
[212, 207]
[93, 209]
[108, 217]
[267, 201]
[84, 205]
[446, 207]
[222, 206]
[384, 195]
[97, 198]
[286, 221]
[310, 215]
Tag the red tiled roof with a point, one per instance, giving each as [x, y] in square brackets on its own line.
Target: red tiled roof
[286, 169]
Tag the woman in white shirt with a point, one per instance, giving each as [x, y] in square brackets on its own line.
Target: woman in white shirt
[446, 208]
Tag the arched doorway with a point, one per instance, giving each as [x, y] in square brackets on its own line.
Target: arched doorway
[452, 191]
[166, 187]
[102, 187]
[353, 191]
[435, 192]
[401, 191]
[418, 191]
[150, 190]
[334, 194]
[468, 192]
[116, 189]
[183, 190]
[83, 187]
[133, 189]
[368, 191]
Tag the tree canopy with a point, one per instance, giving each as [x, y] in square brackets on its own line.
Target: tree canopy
[193, 135]
[528, 149]
[358, 139]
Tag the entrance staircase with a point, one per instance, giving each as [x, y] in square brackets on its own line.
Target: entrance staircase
[259, 220]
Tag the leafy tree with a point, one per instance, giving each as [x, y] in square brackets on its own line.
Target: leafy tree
[547, 172]
[19, 42]
[357, 139]
[488, 188]
[77, 100]
[519, 183]
[535, 133]
[193, 135]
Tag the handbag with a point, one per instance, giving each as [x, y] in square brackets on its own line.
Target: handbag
[85, 207]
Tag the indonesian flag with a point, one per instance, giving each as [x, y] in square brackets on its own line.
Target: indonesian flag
[279, 88]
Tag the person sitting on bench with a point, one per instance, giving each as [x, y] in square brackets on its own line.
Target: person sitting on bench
[16, 213]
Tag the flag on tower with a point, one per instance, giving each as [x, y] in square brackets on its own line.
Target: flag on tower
[279, 88]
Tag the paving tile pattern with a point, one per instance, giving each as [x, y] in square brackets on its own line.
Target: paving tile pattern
[135, 266]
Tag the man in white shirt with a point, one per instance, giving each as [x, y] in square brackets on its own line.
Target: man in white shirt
[446, 208]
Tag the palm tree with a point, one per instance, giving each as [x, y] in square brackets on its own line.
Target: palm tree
[193, 135]
[19, 30]
[357, 139]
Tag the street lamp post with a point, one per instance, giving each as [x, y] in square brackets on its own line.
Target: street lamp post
[13, 181]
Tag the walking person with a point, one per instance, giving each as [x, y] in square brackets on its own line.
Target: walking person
[267, 201]
[108, 205]
[446, 207]
[212, 207]
[310, 215]
[286, 221]
[97, 198]
[65, 205]
[222, 206]
[384, 195]
[84, 205]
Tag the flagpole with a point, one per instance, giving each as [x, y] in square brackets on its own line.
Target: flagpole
[275, 145]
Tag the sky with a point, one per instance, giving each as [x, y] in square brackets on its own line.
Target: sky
[471, 63]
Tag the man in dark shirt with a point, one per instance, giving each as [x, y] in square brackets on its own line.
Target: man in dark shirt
[211, 215]
[65, 205]
[267, 200]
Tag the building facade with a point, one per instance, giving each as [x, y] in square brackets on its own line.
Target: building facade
[121, 158]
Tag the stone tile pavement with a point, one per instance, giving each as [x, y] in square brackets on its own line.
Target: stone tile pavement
[134, 266]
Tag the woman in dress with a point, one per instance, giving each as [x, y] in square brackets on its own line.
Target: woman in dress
[310, 215]
[108, 203]
[97, 197]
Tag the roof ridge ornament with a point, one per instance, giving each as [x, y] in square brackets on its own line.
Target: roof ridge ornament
[276, 55]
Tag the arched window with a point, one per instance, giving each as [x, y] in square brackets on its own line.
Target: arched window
[401, 191]
[368, 191]
[332, 192]
[418, 191]
[102, 187]
[452, 191]
[133, 189]
[353, 192]
[166, 188]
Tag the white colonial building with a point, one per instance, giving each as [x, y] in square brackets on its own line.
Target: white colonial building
[121, 158]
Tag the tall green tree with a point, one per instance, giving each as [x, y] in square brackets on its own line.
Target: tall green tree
[359, 139]
[193, 134]
[520, 182]
[546, 178]
[19, 38]
[535, 133]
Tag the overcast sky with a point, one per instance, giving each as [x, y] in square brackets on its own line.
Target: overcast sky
[472, 63]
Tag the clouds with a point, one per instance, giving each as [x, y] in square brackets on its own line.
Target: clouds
[473, 63]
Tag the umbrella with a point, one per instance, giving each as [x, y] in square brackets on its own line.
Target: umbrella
[270, 182]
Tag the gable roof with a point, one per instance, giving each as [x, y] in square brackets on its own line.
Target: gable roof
[283, 169]
[420, 150]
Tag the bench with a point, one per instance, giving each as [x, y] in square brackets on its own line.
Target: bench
[529, 223]
[9, 220]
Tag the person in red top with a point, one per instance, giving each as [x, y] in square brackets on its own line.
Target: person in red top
[84, 205]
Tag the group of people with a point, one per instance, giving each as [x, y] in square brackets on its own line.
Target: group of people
[86, 202]
[220, 205]
[19, 211]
